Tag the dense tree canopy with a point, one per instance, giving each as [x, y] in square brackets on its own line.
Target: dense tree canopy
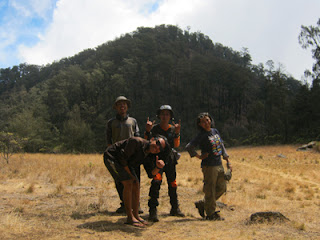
[64, 106]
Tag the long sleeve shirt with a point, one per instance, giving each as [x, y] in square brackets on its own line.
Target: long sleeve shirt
[119, 128]
[130, 152]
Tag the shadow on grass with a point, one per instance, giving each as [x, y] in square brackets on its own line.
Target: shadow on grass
[108, 226]
[169, 218]
[78, 215]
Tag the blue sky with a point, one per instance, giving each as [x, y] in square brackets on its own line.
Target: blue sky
[21, 22]
[43, 31]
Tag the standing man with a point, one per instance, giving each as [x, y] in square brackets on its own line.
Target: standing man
[119, 128]
[122, 159]
[172, 133]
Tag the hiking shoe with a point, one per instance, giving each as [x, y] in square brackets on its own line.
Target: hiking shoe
[215, 217]
[176, 212]
[200, 206]
[121, 210]
[153, 217]
[140, 210]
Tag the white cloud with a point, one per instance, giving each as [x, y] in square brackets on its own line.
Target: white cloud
[18, 22]
[269, 28]
[30, 8]
[81, 24]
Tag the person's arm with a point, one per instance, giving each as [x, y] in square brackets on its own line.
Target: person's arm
[224, 153]
[229, 166]
[137, 130]
[149, 126]
[128, 151]
[177, 128]
[226, 156]
[191, 146]
[128, 171]
[176, 140]
[202, 156]
[159, 165]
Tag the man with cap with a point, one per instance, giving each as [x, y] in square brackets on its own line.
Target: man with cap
[121, 127]
[172, 133]
[123, 158]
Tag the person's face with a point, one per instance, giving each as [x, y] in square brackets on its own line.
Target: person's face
[157, 146]
[205, 123]
[122, 107]
[165, 116]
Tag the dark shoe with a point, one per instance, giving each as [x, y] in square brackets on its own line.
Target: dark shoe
[140, 211]
[215, 217]
[121, 210]
[176, 212]
[153, 217]
[200, 206]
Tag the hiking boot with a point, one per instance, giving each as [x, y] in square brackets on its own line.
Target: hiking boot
[215, 217]
[153, 217]
[176, 212]
[140, 210]
[200, 206]
[121, 209]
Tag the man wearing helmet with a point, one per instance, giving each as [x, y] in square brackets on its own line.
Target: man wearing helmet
[172, 133]
[119, 128]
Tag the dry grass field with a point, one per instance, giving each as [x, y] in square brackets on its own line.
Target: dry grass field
[47, 196]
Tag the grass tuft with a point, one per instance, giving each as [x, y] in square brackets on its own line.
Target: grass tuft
[30, 189]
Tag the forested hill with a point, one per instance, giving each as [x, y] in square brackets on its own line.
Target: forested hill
[64, 106]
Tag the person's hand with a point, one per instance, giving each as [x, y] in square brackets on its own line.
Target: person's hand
[126, 168]
[202, 156]
[149, 125]
[159, 163]
[177, 126]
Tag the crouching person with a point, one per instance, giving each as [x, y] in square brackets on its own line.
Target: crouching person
[121, 160]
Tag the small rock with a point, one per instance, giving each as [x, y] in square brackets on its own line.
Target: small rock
[307, 147]
[225, 206]
[260, 217]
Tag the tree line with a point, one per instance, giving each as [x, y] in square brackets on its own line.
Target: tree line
[64, 106]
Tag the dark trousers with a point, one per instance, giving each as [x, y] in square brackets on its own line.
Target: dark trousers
[170, 170]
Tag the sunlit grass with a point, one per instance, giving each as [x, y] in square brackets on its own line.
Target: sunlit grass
[51, 194]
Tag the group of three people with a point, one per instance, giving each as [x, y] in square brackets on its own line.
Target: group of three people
[126, 151]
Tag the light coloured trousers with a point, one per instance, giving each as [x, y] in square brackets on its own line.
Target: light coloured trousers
[214, 185]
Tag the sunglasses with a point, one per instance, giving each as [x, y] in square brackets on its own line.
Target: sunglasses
[204, 115]
[159, 144]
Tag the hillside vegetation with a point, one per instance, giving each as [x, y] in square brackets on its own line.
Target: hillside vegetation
[64, 106]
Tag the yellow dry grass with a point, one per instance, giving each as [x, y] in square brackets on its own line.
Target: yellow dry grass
[48, 196]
